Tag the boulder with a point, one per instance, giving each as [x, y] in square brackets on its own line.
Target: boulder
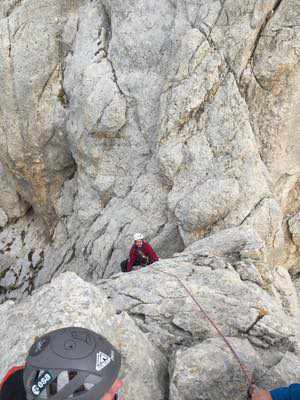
[210, 371]
[164, 310]
[232, 296]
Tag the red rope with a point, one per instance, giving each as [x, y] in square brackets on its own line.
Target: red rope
[244, 370]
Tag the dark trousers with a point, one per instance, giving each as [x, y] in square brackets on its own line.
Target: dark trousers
[139, 261]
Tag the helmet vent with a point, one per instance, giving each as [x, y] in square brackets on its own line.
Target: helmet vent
[63, 379]
[91, 381]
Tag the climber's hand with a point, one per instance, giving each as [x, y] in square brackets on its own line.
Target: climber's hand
[259, 394]
[113, 390]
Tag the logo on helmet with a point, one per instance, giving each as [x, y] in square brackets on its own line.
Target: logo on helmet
[41, 383]
[102, 360]
[39, 346]
[35, 390]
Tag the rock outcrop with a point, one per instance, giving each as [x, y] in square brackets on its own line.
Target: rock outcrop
[163, 309]
[175, 118]
[167, 344]
[199, 360]
[69, 301]
[33, 145]
[210, 371]
[168, 119]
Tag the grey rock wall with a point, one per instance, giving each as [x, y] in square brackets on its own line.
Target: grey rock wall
[200, 363]
[163, 309]
[175, 118]
[169, 349]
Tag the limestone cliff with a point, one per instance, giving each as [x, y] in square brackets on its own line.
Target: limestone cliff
[176, 118]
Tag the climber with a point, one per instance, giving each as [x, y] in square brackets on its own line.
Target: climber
[291, 392]
[141, 253]
[78, 361]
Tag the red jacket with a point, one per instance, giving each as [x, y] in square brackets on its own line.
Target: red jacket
[12, 386]
[10, 373]
[139, 252]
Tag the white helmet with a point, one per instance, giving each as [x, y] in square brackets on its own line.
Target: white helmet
[138, 236]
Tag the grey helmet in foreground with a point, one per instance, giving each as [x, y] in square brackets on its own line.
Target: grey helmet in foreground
[70, 363]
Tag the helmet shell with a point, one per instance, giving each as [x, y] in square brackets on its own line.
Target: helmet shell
[138, 236]
[78, 351]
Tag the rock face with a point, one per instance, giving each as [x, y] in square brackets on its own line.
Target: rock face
[294, 227]
[209, 371]
[178, 119]
[33, 145]
[196, 371]
[172, 117]
[57, 305]
[163, 309]
[200, 363]
[11, 205]
[167, 345]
